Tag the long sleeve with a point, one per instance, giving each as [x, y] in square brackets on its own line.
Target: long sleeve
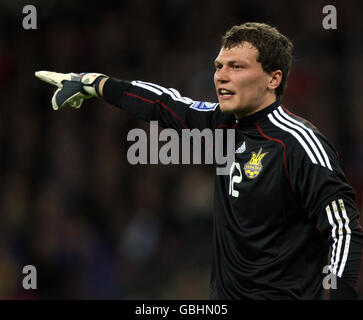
[149, 101]
[324, 192]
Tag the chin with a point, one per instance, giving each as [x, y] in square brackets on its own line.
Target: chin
[226, 109]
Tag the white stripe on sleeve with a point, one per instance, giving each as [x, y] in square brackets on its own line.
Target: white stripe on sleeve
[294, 133]
[285, 120]
[334, 226]
[340, 237]
[312, 134]
[174, 94]
[147, 87]
[347, 239]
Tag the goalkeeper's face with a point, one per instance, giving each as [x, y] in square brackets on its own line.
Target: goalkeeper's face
[243, 87]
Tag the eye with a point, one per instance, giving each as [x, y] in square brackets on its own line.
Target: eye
[218, 66]
[237, 66]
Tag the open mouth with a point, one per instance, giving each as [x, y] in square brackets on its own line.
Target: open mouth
[225, 93]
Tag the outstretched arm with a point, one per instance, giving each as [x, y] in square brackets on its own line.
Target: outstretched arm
[147, 101]
[101, 85]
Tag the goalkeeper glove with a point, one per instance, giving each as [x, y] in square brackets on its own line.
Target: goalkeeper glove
[73, 88]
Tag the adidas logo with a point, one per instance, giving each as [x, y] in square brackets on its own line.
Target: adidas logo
[242, 148]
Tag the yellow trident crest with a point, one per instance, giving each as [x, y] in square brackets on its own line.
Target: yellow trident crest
[253, 167]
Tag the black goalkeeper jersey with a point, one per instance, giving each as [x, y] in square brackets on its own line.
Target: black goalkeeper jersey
[285, 215]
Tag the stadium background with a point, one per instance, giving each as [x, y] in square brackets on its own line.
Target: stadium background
[71, 205]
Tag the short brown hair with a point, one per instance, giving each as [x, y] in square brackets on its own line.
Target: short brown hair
[274, 49]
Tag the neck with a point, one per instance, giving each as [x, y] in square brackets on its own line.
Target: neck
[251, 110]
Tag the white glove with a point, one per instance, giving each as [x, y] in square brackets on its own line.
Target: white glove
[73, 88]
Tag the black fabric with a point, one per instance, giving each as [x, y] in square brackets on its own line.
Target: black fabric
[96, 84]
[284, 206]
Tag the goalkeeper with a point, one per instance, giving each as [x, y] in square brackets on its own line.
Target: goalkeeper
[285, 225]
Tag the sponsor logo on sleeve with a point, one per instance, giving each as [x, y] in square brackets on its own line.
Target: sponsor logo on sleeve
[204, 106]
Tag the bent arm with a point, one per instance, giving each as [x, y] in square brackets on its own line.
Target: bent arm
[328, 198]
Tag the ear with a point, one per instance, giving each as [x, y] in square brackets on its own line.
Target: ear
[275, 80]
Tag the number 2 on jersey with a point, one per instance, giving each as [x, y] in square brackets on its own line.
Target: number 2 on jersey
[234, 179]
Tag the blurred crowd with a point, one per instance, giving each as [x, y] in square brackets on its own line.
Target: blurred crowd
[96, 227]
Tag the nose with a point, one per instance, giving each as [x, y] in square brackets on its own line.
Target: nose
[221, 75]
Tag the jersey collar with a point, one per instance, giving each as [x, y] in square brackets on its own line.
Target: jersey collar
[255, 117]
